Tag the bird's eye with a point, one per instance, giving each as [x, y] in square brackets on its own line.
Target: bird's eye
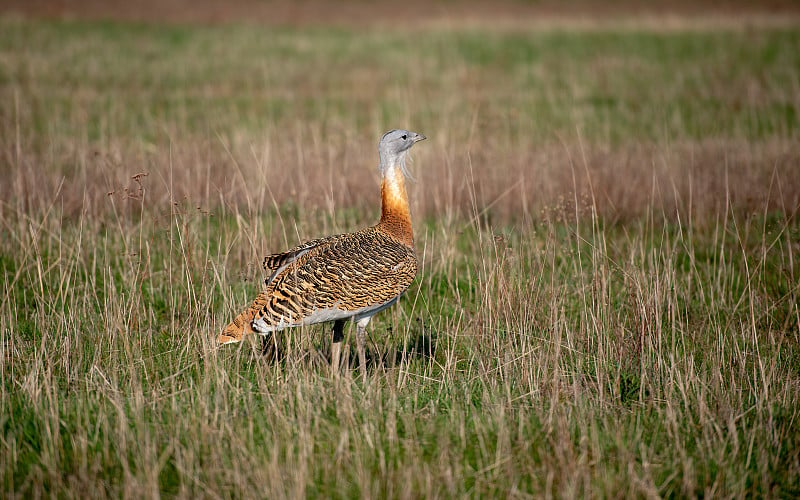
[405, 137]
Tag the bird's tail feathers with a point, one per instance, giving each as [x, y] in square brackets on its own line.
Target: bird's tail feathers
[241, 325]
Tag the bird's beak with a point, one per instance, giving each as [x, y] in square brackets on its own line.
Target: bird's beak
[419, 137]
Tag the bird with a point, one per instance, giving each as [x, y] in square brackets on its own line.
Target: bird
[350, 276]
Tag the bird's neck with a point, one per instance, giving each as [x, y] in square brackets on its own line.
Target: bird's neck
[395, 214]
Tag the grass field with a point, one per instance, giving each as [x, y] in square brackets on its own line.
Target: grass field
[606, 222]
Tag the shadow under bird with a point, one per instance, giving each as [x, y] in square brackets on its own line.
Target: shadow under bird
[349, 276]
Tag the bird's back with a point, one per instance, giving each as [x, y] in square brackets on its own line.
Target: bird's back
[343, 276]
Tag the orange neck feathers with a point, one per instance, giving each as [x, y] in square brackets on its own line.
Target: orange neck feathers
[395, 214]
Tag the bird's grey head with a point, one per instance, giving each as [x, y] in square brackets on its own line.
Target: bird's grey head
[393, 148]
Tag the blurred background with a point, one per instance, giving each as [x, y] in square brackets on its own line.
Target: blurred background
[533, 108]
[364, 13]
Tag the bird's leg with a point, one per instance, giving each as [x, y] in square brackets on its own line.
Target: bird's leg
[265, 344]
[361, 337]
[336, 347]
[269, 347]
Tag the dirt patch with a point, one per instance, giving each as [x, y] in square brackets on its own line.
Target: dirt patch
[365, 13]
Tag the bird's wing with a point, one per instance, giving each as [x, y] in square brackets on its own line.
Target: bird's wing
[276, 262]
[339, 278]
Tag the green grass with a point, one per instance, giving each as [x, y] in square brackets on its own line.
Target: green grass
[136, 79]
[606, 225]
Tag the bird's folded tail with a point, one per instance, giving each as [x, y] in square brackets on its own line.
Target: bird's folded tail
[242, 324]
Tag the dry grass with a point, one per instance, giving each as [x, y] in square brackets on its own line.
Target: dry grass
[581, 14]
[688, 120]
[608, 238]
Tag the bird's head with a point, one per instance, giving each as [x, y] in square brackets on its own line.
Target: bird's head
[393, 148]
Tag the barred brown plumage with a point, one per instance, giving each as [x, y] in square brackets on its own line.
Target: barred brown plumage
[346, 276]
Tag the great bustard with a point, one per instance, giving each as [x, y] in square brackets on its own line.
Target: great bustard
[346, 276]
